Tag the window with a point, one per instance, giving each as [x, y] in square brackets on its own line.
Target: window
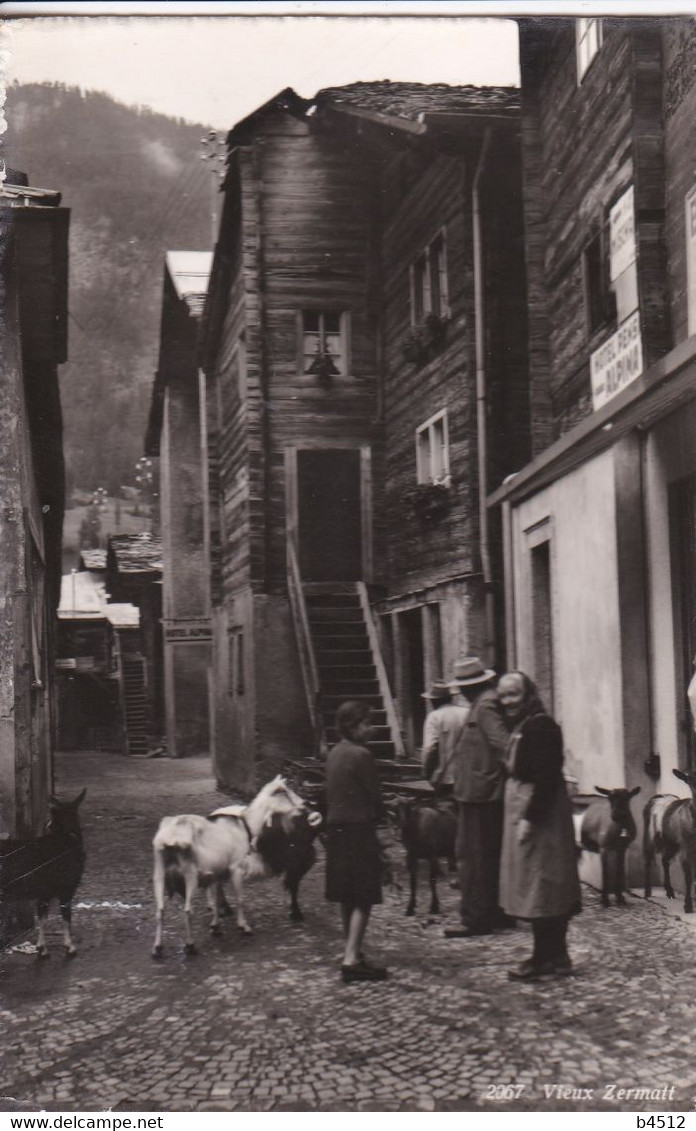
[432, 450]
[588, 40]
[429, 294]
[324, 334]
[600, 303]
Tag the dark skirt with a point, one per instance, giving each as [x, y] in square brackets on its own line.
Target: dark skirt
[353, 865]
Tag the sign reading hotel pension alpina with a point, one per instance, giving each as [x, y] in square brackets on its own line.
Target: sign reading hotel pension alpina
[617, 362]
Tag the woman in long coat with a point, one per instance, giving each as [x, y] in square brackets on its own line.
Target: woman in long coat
[538, 872]
[353, 862]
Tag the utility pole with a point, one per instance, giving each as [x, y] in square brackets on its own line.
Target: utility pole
[214, 150]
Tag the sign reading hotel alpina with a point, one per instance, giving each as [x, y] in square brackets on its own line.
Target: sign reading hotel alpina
[617, 362]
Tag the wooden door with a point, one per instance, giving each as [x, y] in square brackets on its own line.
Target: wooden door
[329, 515]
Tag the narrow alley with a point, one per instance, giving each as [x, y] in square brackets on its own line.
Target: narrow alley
[263, 1023]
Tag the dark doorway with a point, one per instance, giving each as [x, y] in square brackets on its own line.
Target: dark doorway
[682, 530]
[329, 520]
[543, 623]
[412, 636]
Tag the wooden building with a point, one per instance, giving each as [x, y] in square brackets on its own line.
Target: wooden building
[33, 328]
[599, 528]
[134, 576]
[93, 636]
[177, 434]
[365, 320]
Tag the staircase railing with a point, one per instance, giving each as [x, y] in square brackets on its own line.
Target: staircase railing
[385, 690]
[305, 647]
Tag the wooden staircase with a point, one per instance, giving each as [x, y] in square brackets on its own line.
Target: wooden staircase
[135, 702]
[348, 663]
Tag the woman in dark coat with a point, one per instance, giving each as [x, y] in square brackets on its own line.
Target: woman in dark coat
[352, 849]
[538, 870]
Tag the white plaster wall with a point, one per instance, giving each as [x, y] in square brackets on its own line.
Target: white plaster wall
[580, 512]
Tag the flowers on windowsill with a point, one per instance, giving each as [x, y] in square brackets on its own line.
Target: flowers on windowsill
[424, 340]
[430, 501]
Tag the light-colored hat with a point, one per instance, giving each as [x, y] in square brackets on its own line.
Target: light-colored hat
[470, 670]
[438, 689]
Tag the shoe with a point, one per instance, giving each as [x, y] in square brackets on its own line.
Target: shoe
[362, 972]
[528, 972]
[505, 923]
[563, 967]
[464, 932]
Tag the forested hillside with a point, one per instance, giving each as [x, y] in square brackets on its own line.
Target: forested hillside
[136, 188]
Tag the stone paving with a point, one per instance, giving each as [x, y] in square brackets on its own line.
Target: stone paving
[264, 1023]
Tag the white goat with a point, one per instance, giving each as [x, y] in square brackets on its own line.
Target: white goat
[203, 851]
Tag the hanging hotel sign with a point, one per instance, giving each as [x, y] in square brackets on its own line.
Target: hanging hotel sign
[187, 629]
[622, 235]
[617, 362]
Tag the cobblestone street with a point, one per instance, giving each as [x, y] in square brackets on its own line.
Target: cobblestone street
[264, 1023]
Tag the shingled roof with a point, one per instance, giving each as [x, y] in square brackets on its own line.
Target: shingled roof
[413, 101]
[137, 553]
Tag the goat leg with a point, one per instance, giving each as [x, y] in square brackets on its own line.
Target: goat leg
[620, 878]
[647, 878]
[688, 885]
[213, 896]
[605, 877]
[434, 901]
[412, 865]
[66, 915]
[42, 916]
[296, 915]
[191, 881]
[158, 885]
[669, 890]
[238, 886]
[225, 907]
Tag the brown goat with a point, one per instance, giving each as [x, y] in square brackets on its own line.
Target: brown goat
[427, 832]
[607, 827]
[669, 829]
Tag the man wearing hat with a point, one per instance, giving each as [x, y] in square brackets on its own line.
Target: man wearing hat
[478, 789]
[442, 733]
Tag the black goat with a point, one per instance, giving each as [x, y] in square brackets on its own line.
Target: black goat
[428, 830]
[47, 867]
[285, 847]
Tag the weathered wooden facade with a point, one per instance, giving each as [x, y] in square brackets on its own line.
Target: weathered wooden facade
[134, 576]
[177, 434]
[599, 528]
[33, 328]
[368, 273]
[93, 637]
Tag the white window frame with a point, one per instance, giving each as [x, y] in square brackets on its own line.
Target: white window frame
[427, 255]
[690, 236]
[343, 361]
[589, 36]
[426, 463]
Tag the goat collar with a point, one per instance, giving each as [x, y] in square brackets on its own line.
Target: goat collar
[247, 830]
